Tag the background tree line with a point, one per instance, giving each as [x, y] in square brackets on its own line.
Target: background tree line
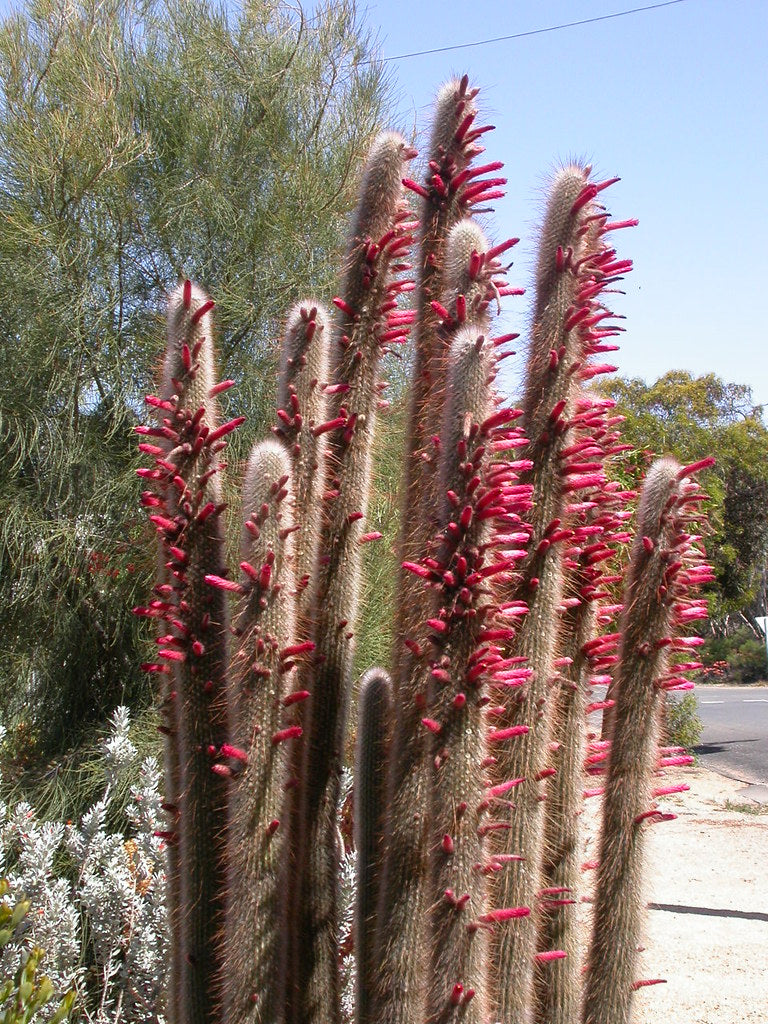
[694, 417]
[143, 140]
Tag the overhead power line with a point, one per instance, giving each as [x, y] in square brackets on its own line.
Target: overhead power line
[534, 31]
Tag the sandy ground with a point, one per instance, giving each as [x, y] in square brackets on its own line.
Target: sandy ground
[712, 861]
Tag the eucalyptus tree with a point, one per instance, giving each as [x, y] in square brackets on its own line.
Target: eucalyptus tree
[694, 417]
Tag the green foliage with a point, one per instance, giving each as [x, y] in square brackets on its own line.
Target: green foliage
[380, 560]
[741, 553]
[64, 789]
[746, 808]
[741, 657]
[142, 140]
[695, 417]
[683, 727]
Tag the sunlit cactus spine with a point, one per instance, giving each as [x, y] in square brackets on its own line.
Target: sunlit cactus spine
[453, 146]
[586, 652]
[472, 276]
[374, 734]
[368, 323]
[450, 153]
[463, 568]
[666, 563]
[301, 407]
[458, 743]
[186, 504]
[465, 883]
[574, 266]
[257, 760]
[450, 190]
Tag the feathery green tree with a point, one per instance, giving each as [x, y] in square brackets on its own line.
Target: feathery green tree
[141, 141]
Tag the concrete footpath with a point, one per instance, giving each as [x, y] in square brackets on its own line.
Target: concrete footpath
[707, 925]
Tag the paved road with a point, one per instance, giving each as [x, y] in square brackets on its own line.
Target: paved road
[735, 737]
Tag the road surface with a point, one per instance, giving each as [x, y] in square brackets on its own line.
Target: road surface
[735, 737]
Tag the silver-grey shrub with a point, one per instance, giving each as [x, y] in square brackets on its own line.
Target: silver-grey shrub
[98, 896]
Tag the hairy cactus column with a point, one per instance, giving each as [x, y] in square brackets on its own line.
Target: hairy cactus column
[574, 265]
[463, 568]
[597, 530]
[301, 407]
[374, 733]
[368, 321]
[186, 512]
[257, 759]
[665, 565]
[472, 277]
[451, 189]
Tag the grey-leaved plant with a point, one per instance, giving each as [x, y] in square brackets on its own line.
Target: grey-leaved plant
[98, 894]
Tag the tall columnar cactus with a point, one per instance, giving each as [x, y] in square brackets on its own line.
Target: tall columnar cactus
[260, 671]
[367, 323]
[666, 562]
[451, 189]
[472, 761]
[574, 266]
[471, 277]
[453, 146]
[301, 408]
[186, 504]
[463, 569]
[374, 734]
[599, 526]
[302, 404]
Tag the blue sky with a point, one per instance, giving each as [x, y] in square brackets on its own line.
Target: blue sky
[675, 101]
